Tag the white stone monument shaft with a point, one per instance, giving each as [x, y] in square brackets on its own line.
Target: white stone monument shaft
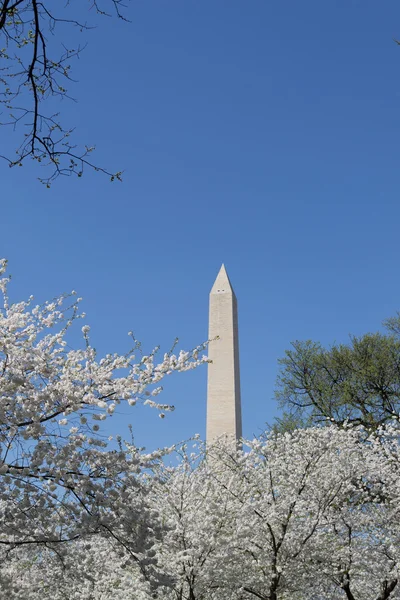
[224, 416]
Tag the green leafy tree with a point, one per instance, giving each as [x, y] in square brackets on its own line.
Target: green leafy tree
[358, 382]
[36, 52]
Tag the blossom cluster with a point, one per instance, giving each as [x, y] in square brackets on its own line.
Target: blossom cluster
[311, 514]
[58, 479]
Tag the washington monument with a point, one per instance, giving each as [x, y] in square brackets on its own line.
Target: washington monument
[224, 417]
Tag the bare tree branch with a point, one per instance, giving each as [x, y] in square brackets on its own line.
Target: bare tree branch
[34, 73]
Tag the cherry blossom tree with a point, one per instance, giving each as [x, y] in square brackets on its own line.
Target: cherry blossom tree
[356, 553]
[199, 526]
[59, 479]
[96, 568]
[307, 515]
[311, 514]
[281, 491]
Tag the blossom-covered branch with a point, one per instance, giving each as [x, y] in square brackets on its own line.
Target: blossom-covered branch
[57, 478]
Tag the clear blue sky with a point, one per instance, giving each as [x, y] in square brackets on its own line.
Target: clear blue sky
[260, 134]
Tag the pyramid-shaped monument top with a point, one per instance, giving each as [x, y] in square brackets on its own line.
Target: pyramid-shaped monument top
[222, 283]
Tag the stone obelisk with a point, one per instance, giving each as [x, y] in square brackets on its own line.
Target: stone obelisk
[224, 416]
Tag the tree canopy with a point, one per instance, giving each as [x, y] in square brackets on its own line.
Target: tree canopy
[358, 382]
[310, 515]
[59, 478]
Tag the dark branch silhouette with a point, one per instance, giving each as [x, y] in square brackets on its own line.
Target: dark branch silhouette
[33, 75]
